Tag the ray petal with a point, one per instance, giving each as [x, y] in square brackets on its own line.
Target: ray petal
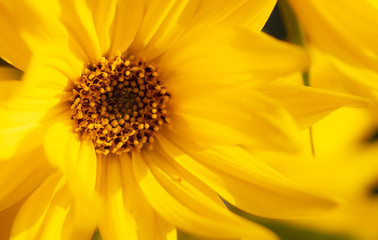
[244, 181]
[178, 201]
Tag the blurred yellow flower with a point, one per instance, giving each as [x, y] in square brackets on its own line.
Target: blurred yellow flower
[341, 39]
[345, 29]
[345, 167]
[151, 105]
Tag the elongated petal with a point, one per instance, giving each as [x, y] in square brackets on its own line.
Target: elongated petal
[12, 48]
[103, 13]
[163, 23]
[127, 213]
[197, 62]
[36, 102]
[49, 212]
[27, 27]
[127, 19]
[308, 105]
[234, 116]
[346, 29]
[245, 182]
[17, 128]
[332, 73]
[76, 157]
[21, 175]
[174, 195]
[78, 19]
[250, 14]
[23, 129]
[32, 213]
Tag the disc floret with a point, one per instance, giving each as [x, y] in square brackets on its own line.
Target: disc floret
[119, 104]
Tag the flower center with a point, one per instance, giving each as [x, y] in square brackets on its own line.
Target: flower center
[119, 104]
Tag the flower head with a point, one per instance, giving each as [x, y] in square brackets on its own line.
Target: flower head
[150, 108]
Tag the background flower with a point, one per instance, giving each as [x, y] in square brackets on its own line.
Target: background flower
[343, 55]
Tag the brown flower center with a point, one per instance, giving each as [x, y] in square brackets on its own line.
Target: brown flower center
[119, 104]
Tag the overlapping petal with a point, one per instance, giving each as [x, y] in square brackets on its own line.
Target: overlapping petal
[126, 23]
[51, 213]
[28, 178]
[250, 14]
[342, 28]
[163, 23]
[232, 172]
[36, 102]
[127, 212]
[308, 105]
[180, 199]
[29, 26]
[224, 56]
[75, 157]
[236, 116]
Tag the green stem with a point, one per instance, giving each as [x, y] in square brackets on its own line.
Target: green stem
[295, 35]
[96, 235]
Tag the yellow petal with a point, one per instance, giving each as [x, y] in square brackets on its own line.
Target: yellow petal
[48, 214]
[244, 181]
[13, 47]
[54, 67]
[79, 22]
[163, 23]
[341, 132]
[127, 213]
[250, 14]
[355, 181]
[36, 102]
[75, 156]
[245, 56]
[23, 124]
[21, 175]
[346, 29]
[19, 132]
[234, 116]
[69, 218]
[103, 14]
[8, 87]
[175, 196]
[127, 19]
[332, 73]
[27, 26]
[308, 105]
[31, 216]
[116, 23]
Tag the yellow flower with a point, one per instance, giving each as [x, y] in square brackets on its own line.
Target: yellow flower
[341, 37]
[341, 40]
[344, 29]
[345, 166]
[153, 106]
